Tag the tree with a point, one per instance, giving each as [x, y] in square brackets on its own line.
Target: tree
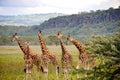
[107, 52]
[4, 40]
[52, 40]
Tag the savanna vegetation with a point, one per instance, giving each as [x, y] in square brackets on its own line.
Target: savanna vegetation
[106, 51]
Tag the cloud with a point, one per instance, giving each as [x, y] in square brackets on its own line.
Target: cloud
[14, 7]
[51, 3]
[72, 3]
[34, 10]
[20, 3]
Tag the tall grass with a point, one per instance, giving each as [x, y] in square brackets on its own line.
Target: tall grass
[12, 63]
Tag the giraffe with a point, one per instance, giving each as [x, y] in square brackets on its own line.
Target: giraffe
[35, 57]
[83, 56]
[66, 57]
[28, 62]
[47, 56]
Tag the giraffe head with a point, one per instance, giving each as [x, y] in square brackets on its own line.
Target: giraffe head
[39, 33]
[14, 37]
[69, 38]
[59, 35]
[27, 42]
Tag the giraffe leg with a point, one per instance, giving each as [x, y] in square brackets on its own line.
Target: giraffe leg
[78, 66]
[45, 70]
[65, 73]
[85, 66]
[70, 70]
[57, 71]
[88, 66]
[46, 73]
[38, 66]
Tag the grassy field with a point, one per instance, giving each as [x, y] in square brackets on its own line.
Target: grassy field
[12, 62]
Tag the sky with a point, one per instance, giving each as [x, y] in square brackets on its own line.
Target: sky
[20, 7]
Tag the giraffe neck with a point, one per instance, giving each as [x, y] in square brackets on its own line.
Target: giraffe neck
[22, 46]
[43, 46]
[64, 50]
[79, 46]
[28, 52]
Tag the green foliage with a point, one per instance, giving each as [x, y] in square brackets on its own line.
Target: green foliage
[107, 49]
[5, 40]
[52, 40]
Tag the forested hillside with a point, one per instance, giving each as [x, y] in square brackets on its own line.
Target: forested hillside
[83, 19]
[82, 26]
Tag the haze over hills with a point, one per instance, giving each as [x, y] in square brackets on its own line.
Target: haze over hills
[26, 20]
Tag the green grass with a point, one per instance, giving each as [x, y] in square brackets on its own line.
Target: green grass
[11, 66]
[12, 63]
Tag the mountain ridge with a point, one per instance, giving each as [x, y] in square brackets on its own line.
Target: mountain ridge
[83, 19]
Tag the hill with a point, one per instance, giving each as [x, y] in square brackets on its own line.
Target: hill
[82, 26]
[83, 19]
[100, 22]
[26, 20]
